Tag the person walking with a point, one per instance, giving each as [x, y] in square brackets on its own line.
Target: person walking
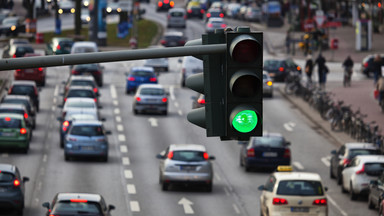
[348, 70]
[322, 70]
[309, 68]
[376, 66]
[380, 89]
[288, 42]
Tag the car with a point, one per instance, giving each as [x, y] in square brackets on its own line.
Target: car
[190, 65]
[14, 132]
[81, 80]
[113, 8]
[138, 76]
[164, 5]
[26, 87]
[93, 69]
[367, 64]
[86, 138]
[213, 12]
[376, 192]
[73, 203]
[295, 193]
[59, 46]
[279, 69]
[343, 156]
[185, 164]
[268, 151]
[215, 23]
[18, 50]
[12, 195]
[177, 17]
[158, 64]
[173, 39]
[84, 47]
[12, 26]
[13, 41]
[19, 109]
[34, 74]
[198, 101]
[73, 115]
[150, 98]
[66, 6]
[85, 16]
[267, 85]
[77, 104]
[357, 175]
[81, 92]
[253, 14]
[195, 11]
[21, 99]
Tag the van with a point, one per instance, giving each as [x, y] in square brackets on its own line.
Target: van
[177, 17]
[84, 47]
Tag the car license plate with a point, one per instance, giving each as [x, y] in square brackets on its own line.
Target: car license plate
[7, 134]
[172, 43]
[3, 189]
[29, 70]
[269, 154]
[299, 209]
[87, 148]
[187, 168]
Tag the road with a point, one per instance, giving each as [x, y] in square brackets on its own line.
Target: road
[130, 178]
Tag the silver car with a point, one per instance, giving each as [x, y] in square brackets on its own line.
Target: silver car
[150, 98]
[215, 23]
[177, 17]
[185, 164]
[267, 85]
[158, 64]
[190, 66]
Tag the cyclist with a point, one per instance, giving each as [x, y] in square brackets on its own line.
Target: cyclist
[348, 66]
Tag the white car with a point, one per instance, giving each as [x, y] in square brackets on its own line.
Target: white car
[158, 64]
[357, 175]
[293, 193]
[84, 47]
[190, 65]
[79, 103]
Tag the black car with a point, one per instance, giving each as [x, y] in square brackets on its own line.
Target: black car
[367, 64]
[12, 189]
[268, 151]
[213, 12]
[278, 69]
[195, 11]
[18, 50]
[344, 155]
[376, 192]
[164, 5]
[21, 99]
[12, 26]
[23, 87]
[12, 42]
[89, 69]
[173, 39]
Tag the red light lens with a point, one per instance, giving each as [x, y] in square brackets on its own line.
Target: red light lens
[251, 152]
[287, 153]
[210, 25]
[66, 123]
[208, 15]
[26, 115]
[223, 25]
[298, 68]
[160, 4]
[58, 47]
[221, 15]
[281, 69]
[23, 130]
[95, 90]
[202, 11]
[320, 202]
[246, 51]
[279, 201]
[40, 69]
[361, 171]
[189, 11]
[166, 1]
[201, 101]
[16, 183]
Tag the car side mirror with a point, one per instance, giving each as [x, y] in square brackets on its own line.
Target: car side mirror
[100, 107]
[326, 189]
[193, 97]
[102, 119]
[261, 188]
[333, 152]
[142, 11]
[212, 158]
[287, 143]
[160, 156]
[111, 207]
[108, 132]
[25, 179]
[46, 205]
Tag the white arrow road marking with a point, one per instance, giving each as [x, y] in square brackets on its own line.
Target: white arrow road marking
[186, 205]
[153, 122]
[289, 126]
[326, 161]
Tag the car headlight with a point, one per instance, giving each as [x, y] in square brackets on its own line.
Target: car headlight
[69, 145]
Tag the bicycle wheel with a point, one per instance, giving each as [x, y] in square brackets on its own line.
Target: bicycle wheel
[290, 88]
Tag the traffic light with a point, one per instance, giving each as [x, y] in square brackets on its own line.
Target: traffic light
[244, 90]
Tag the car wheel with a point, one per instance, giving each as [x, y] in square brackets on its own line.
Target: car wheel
[352, 194]
[247, 168]
[339, 178]
[331, 173]
[164, 187]
[370, 203]
[104, 159]
[66, 157]
[135, 111]
[342, 187]
[165, 112]
[209, 187]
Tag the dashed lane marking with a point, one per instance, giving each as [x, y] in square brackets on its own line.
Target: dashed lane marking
[326, 161]
[116, 111]
[56, 92]
[176, 104]
[123, 149]
[120, 127]
[338, 207]
[135, 207]
[115, 102]
[237, 210]
[121, 137]
[118, 119]
[131, 189]
[172, 92]
[125, 161]
[180, 112]
[113, 92]
[128, 174]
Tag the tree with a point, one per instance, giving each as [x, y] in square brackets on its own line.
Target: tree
[29, 5]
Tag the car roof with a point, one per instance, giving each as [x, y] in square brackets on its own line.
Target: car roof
[11, 105]
[87, 122]
[173, 33]
[360, 145]
[82, 77]
[187, 147]
[176, 10]
[142, 68]
[297, 176]
[217, 19]
[80, 99]
[24, 97]
[158, 86]
[85, 43]
[75, 87]
[23, 82]
[371, 157]
[8, 168]
[12, 115]
[85, 196]
[18, 41]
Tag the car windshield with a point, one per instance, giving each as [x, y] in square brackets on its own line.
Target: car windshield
[373, 169]
[86, 67]
[80, 116]
[17, 101]
[80, 93]
[177, 14]
[9, 110]
[355, 152]
[6, 177]
[22, 90]
[8, 122]
[66, 43]
[272, 64]
[84, 49]
[9, 21]
[151, 91]
[268, 141]
[80, 104]
[87, 130]
[188, 156]
[300, 188]
[67, 207]
[82, 83]
[142, 73]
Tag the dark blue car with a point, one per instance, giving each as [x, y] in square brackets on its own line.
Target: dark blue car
[268, 151]
[138, 76]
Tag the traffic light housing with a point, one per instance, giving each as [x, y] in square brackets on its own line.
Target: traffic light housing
[244, 86]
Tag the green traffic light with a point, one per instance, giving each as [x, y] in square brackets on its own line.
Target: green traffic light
[245, 121]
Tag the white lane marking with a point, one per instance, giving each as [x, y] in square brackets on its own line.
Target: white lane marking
[337, 207]
[54, 100]
[187, 205]
[116, 111]
[120, 127]
[121, 137]
[123, 149]
[113, 92]
[56, 92]
[128, 174]
[135, 207]
[176, 104]
[172, 93]
[53, 108]
[4, 155]
[131, 189]
[45, 158]
[118, 118]
[153, 122]
[326, 161]
[115, 102]
[226, 190]
[237, 210]
[180, 112]
[217, 177]
[125, 161]
[298, 165]
[289, 126]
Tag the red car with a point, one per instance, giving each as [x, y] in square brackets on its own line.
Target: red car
[34, 74]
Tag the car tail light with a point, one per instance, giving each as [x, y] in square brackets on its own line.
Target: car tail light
[58, 47]
[95, 90]
[152, 79]
[131, 78]
[346, 161]
[223, 25]
[163, 42]
[281, 69]
[206, 156]
[320, 202]
[269, 83]
[95, 99]
[18, 70]
[360, 171]
[201, 101]
[172, 3]
[202, 11]
[75, 72]
[298, 68]
[65, 99]
[40, 69]
[14, 56]
[23, 130]
[279, 201]
[65, 125]
[97, 72]
[221, 15]
[170, 155]
[16, 183]
[79, 200]
[166, 1]
[164, 100]
[138, 99]
[210, 25]
[160, 4]
[25, 115]
[251, 152]
[7, 119]
[208, 15]
[189, 11]
[366, 64]
[181, 42]
[287, 153]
